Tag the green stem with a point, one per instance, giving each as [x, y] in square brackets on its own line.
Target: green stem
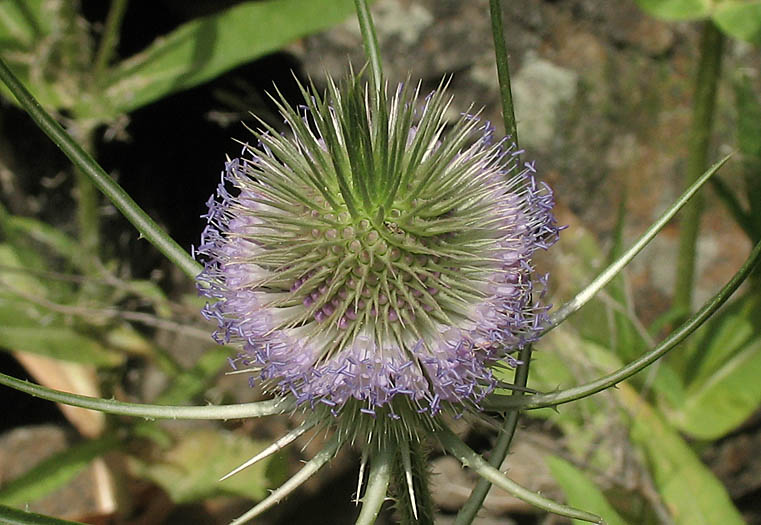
[469, 458]
[499, 451]
[377, 485]
[503, 70]
[468, 512]
[607, 381]
[110, 38]
[110, 406]
[121, 200]
[88, 219]
[709, 68]
[370, 41]
[11, 516]
[581, 298]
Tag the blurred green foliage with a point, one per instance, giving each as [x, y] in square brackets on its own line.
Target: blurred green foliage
[737, 18]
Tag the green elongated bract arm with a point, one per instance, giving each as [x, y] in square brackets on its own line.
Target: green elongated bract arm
[602, 280]
[673, 339]
[118, 197]
[309, 469]
[469, 458]
[110, 406]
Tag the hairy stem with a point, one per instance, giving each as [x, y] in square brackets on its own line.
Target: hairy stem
[411, 480]
[378, 479]
[110, 406]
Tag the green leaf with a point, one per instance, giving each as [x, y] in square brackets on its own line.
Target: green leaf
[723, 388]
[737, 18]
[581, 492]
[54, 472]
[152, 292]
[723, 402]
[190, 471]
[204, 48]
[58, 342]
[14, 263]
[740, 19]
[192, 382]
[26, 229]
[23, 23]
[688, 488]
[723, 337]
[677, 9]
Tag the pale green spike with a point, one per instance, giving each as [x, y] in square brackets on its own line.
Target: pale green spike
[276, 446]
[309, 469]
[407, 464]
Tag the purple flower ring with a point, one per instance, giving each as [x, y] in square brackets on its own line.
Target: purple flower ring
[377, 254]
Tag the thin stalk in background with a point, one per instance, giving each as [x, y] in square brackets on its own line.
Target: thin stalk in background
[88, 217]
[88, 199]
[468, 512]
[503, 70]
[84, 161]
[110, 38]
[706, 84]
[370, 41]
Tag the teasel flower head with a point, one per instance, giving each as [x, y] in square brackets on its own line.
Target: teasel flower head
[375, 260]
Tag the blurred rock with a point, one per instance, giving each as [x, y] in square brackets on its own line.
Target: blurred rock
[540, 90]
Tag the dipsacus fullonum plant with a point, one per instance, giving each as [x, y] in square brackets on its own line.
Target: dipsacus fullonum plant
[373, 267]
[374, 263]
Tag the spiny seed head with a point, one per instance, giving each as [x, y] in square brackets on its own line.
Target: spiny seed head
[374, 256]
